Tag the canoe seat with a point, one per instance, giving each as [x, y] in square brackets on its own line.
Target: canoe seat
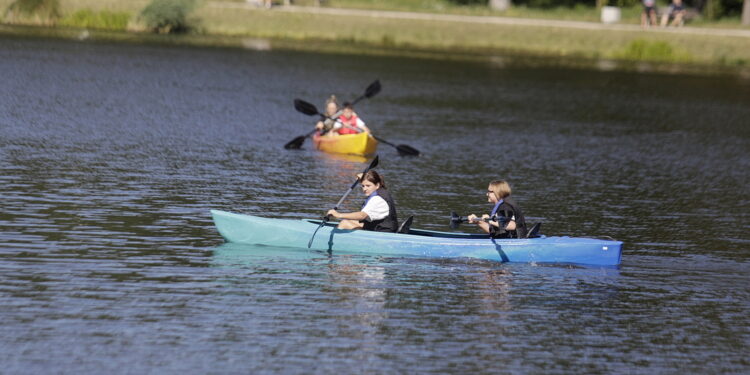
[534, 231]
[404, 228]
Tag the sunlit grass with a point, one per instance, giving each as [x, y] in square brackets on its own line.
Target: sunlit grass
[473, 38]
[362, 34]
[641, 49]
[87, 18]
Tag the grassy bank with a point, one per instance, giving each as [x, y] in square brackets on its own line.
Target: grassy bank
[476, 38]
[363, 34]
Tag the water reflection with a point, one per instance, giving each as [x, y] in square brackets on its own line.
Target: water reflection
[335, 160]
[360, 291]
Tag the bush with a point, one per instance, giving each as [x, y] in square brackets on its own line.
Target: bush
[644, 50]
[101, 20]
[45, 11]
[168, 16]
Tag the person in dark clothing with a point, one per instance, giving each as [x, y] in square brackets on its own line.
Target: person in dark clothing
[378, 213]
[506, 219]
[676, 12]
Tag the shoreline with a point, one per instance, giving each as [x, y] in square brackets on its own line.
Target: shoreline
[496, 40]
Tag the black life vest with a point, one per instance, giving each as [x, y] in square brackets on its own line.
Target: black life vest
[390, 222]
[509, 209]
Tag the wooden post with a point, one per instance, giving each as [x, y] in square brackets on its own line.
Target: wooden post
[746, 13]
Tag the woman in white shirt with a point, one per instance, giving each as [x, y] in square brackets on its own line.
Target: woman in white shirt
[378, 213]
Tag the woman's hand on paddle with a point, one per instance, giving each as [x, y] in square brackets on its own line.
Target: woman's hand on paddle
[474, 219]
[333, 213]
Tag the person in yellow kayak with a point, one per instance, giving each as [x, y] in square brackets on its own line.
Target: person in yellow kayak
[378, 213]
[349, 122]
[506, 219]
[332, 111]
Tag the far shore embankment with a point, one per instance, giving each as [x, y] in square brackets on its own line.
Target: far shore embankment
[337, 30]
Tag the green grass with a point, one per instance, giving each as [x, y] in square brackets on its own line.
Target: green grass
[354, 34]
[104, 19]
[645, 50]
[475, 38]
[630, 15]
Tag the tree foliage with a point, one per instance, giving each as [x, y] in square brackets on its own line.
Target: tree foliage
[46, 11]
[168, 16]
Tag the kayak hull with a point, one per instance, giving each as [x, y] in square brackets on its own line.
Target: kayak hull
[254, 230]
[354, 144]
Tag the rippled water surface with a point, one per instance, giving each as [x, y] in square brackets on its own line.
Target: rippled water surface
[111, 157]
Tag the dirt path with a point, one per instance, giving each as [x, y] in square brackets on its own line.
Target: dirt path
[488, 20]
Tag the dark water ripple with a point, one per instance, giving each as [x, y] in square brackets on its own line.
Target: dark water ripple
[112, 156]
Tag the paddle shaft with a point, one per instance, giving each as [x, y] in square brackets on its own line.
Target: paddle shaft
[381, 140]
[372, 165]
[456, 220]
[351, 188]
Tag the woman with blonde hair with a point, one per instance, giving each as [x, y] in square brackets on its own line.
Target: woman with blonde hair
[332, 112]
[506, 218]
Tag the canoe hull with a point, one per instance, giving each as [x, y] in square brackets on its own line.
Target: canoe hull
[353, 144]
[255, 230]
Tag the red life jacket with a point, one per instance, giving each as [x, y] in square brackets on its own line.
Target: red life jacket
[351, 122]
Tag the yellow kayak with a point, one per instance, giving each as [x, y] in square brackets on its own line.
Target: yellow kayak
[355, 144]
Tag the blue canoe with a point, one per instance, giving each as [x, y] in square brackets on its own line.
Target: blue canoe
[254, 230]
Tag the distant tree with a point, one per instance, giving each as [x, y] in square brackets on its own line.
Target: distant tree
[45, 11]
[168, 16]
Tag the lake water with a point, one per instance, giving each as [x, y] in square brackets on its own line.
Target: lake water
[111, 157]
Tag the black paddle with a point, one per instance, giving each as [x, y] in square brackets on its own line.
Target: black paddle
[457, 220]
[372, 165]
[403, 150]
[310, 110]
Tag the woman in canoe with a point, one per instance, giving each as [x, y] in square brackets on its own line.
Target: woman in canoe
[378, 213]
[510, 222]
[349, 122]
[332, 109]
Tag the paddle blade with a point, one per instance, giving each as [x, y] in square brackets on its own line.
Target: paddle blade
[373, 164]
[305, 107]
[455, 220]
[373, 89]
[406, 150]
[295, 143]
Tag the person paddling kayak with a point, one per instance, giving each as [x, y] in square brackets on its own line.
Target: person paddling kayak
[349, 122]
[332, 109]
[378, 213]
[506, 218]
